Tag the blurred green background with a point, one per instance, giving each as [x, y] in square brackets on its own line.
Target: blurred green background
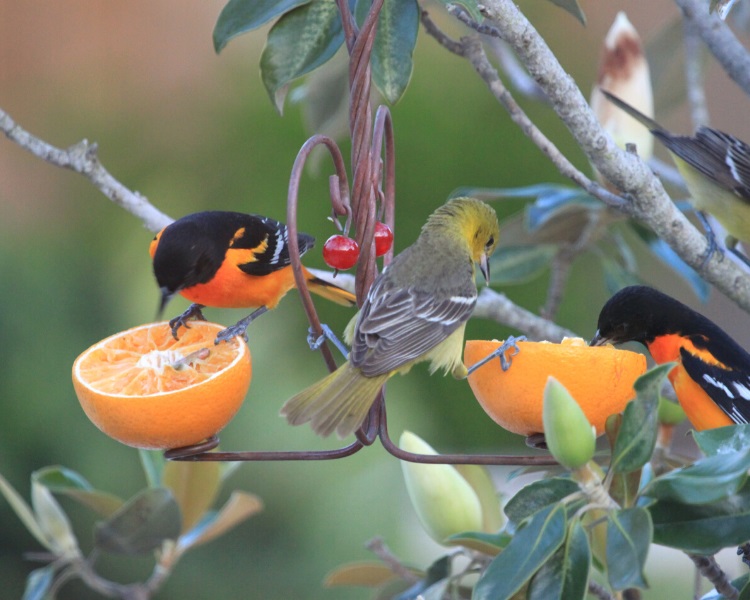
[193, 131]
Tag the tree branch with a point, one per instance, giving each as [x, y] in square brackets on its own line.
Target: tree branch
[709, 568]
[82, 158]
[720, 40]
[650, 203]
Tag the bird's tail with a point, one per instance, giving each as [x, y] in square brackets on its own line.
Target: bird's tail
[648, 122]
[329, 291]
[338, 402]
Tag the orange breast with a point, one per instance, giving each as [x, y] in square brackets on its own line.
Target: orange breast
[233, 288]
[702, 412]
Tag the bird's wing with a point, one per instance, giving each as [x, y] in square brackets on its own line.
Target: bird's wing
[397, 326]
[264, 243]
[729, 389]
[717, 155]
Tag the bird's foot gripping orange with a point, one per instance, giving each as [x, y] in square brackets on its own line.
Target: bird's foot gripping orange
[500, 352]
[193, 312]
[239, 329]
[316, 341]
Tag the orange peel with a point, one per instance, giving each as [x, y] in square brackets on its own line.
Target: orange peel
[147, 390]
[600, 378]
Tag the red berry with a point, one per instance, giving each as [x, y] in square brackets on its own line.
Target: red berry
[340, 252]
[383, 238]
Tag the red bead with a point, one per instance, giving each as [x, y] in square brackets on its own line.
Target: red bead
[340, 252]
[383, 238]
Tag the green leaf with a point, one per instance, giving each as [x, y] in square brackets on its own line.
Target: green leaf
[637, 435]
[486, 543]
[573, 8]
[537, 496]
[153, 463]
[194, 486]
[38, 583]
[53, 521]
[300, 41]
[702, 528]
[707, 480]
[629, 534]
[239, 507]
[24, 512]
[530, 548]
[565, 575]
[141, 525]
[60, 480]
[391, 60]
[723, 440]
[519, 264]
[241, 16]
[471, 7]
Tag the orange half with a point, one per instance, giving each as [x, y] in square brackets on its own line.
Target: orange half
[147, 390]
[600, 378]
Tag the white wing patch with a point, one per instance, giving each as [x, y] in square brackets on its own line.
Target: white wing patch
[718, 384]
[280, 244]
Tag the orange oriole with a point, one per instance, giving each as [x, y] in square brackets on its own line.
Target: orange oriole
[712, 377]
[230, 260]
[416, 310]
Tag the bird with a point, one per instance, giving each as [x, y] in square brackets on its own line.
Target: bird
[712, 376]
[228, 259]
[416, 310]
[716, 170]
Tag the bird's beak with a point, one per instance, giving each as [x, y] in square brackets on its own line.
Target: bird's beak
[484, 266]
[166, 296]
[598, 340]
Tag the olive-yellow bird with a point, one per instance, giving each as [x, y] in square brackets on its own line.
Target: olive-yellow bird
[416, 310]
[715, 167]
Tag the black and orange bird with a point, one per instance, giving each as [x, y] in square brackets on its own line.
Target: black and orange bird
[712, 375]
[230, 260]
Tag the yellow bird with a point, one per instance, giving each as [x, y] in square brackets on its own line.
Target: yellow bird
[715, 167]
[416, 310]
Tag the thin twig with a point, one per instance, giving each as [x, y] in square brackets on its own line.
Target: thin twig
[710, 569]
[696, 94]
[720, 40]
[378, 547]
[82, 158]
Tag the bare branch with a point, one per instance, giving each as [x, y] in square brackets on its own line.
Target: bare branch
[82, 159]
[720, 40]
[710, 569]
[496, 306]
[696, 94]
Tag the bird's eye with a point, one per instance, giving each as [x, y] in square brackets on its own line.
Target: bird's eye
[490, 242]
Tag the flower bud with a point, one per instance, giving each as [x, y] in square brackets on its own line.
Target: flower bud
[624, 72]
[445, 502]
[570, 437]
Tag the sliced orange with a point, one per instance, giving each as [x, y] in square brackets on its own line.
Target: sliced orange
[600, 378]
[136, 387]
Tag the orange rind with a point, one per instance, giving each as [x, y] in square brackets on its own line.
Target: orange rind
[147, 390]
[600, 378]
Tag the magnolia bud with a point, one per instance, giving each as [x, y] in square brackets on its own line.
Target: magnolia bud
[570, 437]
[445, 502]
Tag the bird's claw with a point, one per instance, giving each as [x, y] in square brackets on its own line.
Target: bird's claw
[236, 330]
[192, 313]
[505, 361]
[744, 552]
[315, 341]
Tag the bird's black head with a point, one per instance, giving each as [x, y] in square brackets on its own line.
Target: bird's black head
[639, 314]
[187, 253]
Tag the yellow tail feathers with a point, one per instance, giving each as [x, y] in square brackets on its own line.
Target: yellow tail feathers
[339, 402]
[329, 291]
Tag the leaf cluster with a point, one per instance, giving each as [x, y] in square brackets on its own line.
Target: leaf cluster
[166, 519]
